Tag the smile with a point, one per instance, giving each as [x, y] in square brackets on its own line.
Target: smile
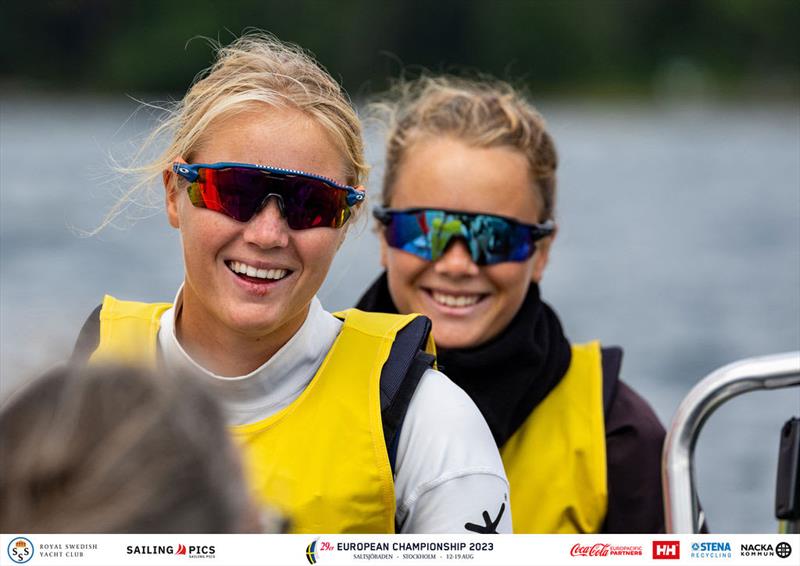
[456, 300]
[242, 268]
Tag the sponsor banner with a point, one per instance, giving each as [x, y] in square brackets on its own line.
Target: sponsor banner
[265, 550]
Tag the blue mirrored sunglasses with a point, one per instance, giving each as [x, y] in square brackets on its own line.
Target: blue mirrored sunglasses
[427, 232]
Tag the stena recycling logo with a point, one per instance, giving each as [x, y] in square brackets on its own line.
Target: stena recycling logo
[711, 550]
[20, 550]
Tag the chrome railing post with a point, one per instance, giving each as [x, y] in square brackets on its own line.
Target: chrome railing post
[763, 373]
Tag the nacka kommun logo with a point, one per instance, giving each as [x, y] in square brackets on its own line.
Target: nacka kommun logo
[782, 550]
[20, 550]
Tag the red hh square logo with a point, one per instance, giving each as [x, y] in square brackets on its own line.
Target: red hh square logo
[666, 549]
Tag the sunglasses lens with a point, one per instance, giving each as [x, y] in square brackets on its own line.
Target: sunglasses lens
[410, 232]
[310, 204]
[499, 240]
[233, 192]
[428, 233]
[240, 192]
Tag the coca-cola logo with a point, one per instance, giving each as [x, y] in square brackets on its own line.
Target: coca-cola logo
[593, 550]
[603, 549]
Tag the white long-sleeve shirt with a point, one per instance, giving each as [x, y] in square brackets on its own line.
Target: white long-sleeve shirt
[443, 481]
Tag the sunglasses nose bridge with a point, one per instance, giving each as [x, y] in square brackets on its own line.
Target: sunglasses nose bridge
[444, 238]
[278, 200]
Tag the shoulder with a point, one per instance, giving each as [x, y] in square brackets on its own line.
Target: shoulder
[634, 441]
[629, 414]
[446, 450]
[444, 436]
[442, 409]
[131, 314]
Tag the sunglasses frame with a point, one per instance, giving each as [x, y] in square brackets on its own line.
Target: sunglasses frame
[538, 231]
[190, 172]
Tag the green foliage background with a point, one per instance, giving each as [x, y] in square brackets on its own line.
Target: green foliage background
[600, 47]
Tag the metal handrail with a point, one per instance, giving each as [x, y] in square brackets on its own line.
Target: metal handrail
[764, 373]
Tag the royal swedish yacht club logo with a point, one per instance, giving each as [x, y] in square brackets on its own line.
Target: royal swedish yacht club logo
[20, 550]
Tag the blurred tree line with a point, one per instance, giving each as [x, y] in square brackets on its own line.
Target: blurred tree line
[565, 46]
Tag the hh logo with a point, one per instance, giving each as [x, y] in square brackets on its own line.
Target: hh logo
[666, 549]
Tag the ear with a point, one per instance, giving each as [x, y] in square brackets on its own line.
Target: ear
[171, 197]
[541, 257]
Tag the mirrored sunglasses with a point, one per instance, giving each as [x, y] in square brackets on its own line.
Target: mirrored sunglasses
[427, 233]
[241, 190]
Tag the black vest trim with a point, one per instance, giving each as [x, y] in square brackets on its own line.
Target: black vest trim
[88, 338]
[611, 362]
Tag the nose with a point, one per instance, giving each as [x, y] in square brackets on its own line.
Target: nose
[268, 228]
[456, 261]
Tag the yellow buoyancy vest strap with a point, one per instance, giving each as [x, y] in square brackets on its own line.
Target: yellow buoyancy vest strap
[556, 461]
[128, 331]
[322, 460]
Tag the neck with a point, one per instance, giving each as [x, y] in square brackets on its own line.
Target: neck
[225, 351]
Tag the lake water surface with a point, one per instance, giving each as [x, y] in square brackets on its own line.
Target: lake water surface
[679, 240]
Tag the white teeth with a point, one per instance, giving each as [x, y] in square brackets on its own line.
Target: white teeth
[250, 271]
[455, 300]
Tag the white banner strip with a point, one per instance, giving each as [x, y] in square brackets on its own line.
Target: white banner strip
[303, 550]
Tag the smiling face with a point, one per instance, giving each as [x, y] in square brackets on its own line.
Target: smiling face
[254, 280]
[468, 304]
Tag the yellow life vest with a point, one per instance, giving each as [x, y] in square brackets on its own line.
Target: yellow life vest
[323, 459]
[556, 461]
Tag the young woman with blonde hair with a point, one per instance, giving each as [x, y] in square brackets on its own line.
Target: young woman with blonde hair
[467, 224]
[262, 175]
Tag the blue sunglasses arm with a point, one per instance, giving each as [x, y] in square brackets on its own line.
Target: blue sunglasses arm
[354, 196]
[189, 171]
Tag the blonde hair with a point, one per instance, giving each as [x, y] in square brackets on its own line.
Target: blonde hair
[118, 449]
[255, 69]
[483, 112]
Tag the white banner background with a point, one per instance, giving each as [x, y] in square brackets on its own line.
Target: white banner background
[267, 550]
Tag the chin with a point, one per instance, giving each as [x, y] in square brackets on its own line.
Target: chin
[455, 339]
[248, 322]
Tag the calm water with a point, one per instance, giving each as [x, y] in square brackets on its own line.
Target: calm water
[680, 240]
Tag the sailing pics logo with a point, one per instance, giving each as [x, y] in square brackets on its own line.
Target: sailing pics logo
[20, 550]
[191, 551]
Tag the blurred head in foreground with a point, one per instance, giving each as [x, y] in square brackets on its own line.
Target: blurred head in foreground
[122, 450]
